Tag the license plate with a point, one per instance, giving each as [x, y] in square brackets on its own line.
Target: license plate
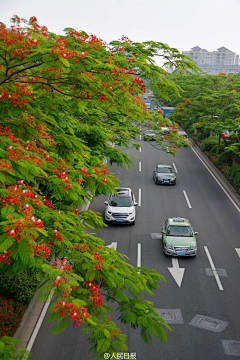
[166, 181]
[181, 253]
[119, 220]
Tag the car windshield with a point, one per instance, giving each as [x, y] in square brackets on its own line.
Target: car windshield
[120, 201]
[176, 230]
[149, 132]
[165, 170]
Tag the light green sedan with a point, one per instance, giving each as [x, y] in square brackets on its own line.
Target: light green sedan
[179, 237]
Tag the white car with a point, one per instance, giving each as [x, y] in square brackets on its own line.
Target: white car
[121, 207]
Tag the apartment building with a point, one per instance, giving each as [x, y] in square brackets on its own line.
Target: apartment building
[222, 60]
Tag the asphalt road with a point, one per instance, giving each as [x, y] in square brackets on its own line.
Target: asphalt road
[204, 311]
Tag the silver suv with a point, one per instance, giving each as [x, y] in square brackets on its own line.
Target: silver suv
[121, 207]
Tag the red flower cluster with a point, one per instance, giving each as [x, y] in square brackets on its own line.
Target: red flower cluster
[78, 314]
[5, 165]
[96, 298]
[59, 280]
[5, 257]
[59, 49]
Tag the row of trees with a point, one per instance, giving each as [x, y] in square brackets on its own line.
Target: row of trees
[210, 104]
[63, 101]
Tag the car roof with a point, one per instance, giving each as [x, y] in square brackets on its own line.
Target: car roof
[165, 166]
[123, 191]
[180, 132]
[178, 221]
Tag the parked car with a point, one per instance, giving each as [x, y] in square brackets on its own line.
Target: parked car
[149, 135]
[121, 207]
[225, 135]
[164, 174]
[179, 237]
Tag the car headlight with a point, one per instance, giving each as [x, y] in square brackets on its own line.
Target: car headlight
[193, 247]
[109, 212]
[169, 247]
[130, 213]
[173, 179]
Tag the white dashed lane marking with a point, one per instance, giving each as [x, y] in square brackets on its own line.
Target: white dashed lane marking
[187, 200]
[175, 168]
[214, 270]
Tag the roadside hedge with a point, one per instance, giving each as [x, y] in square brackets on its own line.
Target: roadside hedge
[209, 142]
[20, 287]
[234, 175]
[11, 313]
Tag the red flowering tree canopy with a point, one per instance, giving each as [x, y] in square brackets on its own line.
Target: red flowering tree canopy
[63, 101]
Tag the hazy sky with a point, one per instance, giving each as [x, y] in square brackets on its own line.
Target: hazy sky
[182, 24]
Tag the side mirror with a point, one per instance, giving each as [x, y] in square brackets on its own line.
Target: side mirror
[163, 232]
[135, 204]
[195, 233]
[105, 202]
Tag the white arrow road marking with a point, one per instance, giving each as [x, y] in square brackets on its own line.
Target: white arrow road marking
[140, 166]
[139, 197]
[112, 245]
[188, 202]
[175, 167]
[213, 268]
[176, 271]
[238, 251]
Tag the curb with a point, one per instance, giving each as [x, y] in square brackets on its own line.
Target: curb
[29, 320]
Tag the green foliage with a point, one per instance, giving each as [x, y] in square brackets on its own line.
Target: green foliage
[20, 287]
[234, 175]
[8, 349]
[209, 143]
[213, 150]
[224, 158]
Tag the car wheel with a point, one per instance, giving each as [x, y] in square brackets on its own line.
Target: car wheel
[106, 222]
[155, 180]
[133, 223]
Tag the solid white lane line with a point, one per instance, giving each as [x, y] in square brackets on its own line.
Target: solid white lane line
[40, 320]
[213, 268]
[139, 255]
[139, 197]
[188, 202]
[238, 251]
[233, 202]
[140, 166]
[140, 137]
[175, 168]
[140, 149]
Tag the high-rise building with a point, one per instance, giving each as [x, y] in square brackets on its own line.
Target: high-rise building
[222, 60]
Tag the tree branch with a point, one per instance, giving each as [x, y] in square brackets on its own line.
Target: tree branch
[7, 77]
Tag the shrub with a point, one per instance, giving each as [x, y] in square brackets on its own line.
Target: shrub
[208, 143]
[225, 158]
[11, 313]
[214, 149]
[234, 175]
[20, 287]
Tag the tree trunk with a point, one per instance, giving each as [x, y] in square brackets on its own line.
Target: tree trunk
[219, 140]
